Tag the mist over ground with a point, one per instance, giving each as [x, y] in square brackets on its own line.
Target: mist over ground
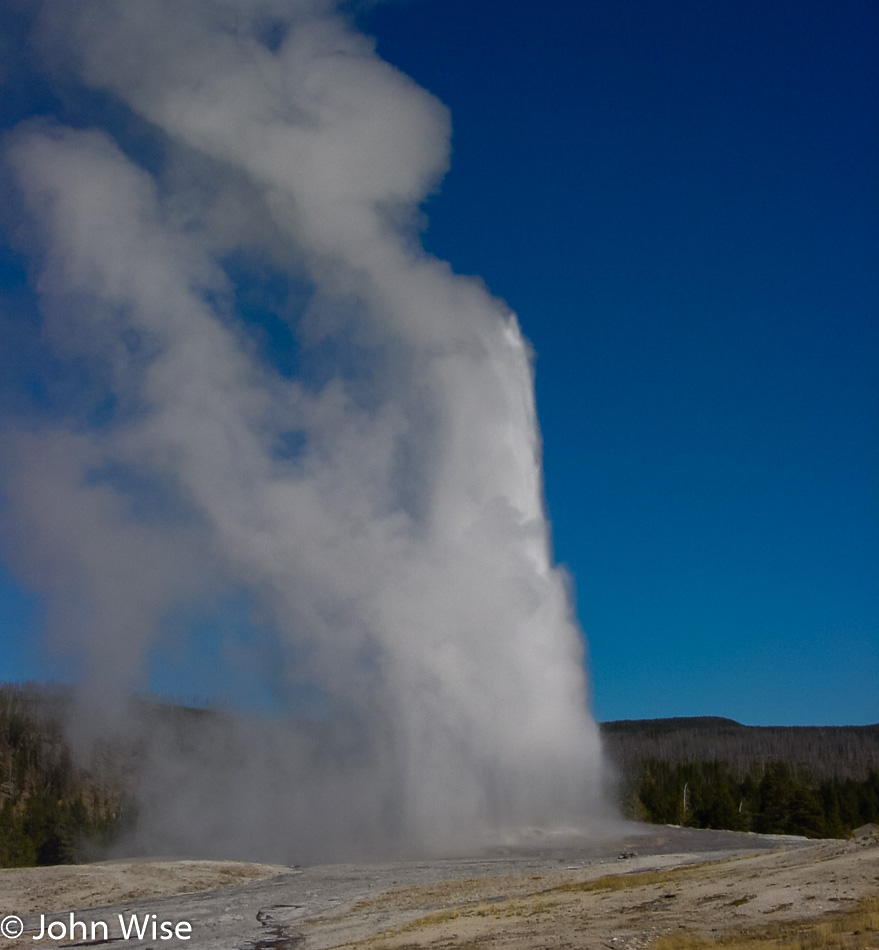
[245, 386]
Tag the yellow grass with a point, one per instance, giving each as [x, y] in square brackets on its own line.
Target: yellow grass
[853, 929]
[621, 882]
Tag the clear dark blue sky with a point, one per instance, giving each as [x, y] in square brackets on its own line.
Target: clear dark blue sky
[681, 202]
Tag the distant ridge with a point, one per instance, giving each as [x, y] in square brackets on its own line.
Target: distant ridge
[824, 752]
[704, 722]
[696, 722]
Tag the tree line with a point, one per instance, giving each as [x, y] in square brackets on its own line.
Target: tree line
[709, 773]
[769, 799]
[824, 752]
[716, 773]
[51, 810]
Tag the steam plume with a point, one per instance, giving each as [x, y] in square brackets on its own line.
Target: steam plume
[377, 497]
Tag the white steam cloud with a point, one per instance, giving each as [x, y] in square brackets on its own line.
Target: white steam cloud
[381, 506]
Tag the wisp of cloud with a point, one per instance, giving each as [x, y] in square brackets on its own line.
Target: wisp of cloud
[271, 393]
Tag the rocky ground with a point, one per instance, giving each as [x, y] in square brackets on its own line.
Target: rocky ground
[660, 887]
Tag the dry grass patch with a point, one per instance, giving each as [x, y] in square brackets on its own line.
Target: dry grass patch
[853, 929]
[622, 882]
[527, 901]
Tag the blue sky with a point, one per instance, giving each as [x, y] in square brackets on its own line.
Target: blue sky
[679, 200]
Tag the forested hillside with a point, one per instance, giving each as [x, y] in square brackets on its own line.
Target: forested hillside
[51, 811]
[819, 781]
[704, 772]
[821, 751]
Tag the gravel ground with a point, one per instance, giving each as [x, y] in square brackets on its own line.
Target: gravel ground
[538, 892]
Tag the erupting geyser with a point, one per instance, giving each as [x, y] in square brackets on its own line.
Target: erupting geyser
[377, 495]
